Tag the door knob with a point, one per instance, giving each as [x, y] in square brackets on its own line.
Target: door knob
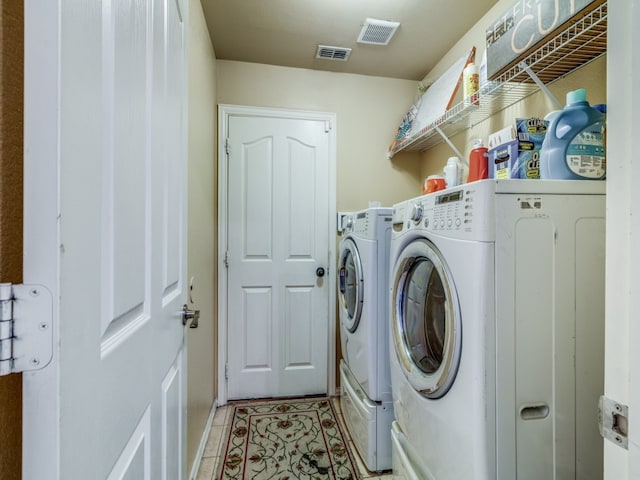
[193, 315]
[320, 272]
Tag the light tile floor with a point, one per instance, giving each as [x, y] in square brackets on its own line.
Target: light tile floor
[222, 418]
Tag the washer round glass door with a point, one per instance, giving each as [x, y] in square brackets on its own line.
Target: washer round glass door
[350, 285]
[427, 330]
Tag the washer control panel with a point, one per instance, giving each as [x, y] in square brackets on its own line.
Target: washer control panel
[367, 223]
[463, 212]
[363, 224]
[448, 211]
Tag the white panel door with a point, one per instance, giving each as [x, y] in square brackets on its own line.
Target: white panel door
[105, 190]
[278, 236]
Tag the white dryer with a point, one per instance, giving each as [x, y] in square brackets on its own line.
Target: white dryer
[496, 313]
[363, 274]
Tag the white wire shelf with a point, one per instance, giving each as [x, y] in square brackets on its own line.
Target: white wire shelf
[578, 44]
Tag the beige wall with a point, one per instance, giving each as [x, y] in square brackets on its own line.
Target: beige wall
[368, 110]
[11, 94]
[202, 227]
[592, 77]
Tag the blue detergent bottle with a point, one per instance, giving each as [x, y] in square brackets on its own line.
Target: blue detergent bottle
[573, 147]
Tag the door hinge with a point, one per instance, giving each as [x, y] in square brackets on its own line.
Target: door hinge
[226, 259]
[227, 148]
[327, 126]
[26, 328]
[613, 420]
[226, 371]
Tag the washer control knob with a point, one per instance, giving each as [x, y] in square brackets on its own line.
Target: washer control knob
[349, 224]
[416, 212]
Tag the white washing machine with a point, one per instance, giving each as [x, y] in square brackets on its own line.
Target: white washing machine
[363, 275]
[497, 328]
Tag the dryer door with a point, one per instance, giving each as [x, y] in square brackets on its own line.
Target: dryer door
[350, 285]
[426, 324]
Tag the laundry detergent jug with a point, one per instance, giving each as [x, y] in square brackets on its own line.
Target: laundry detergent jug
[573, 147]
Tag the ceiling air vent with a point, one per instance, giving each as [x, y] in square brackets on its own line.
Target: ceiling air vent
[333, 53]
[377, 32]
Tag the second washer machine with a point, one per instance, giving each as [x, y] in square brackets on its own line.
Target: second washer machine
[363, 270]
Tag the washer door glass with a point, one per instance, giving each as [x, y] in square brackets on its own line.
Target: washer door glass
[427, 330]
[350, 285]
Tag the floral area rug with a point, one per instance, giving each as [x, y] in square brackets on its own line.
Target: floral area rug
[286, 440]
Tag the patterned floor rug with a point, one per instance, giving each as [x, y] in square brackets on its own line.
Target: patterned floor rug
[286, 440]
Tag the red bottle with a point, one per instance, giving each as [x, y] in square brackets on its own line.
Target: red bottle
[478, 162]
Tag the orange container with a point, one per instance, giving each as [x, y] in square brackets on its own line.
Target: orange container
[433, 183]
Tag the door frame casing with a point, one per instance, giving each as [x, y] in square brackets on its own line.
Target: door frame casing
[40, 420]
[226, 111]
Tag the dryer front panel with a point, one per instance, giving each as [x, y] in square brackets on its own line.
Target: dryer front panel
[426, 324]
[350, 285]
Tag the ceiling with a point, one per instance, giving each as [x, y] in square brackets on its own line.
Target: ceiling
[287, 32]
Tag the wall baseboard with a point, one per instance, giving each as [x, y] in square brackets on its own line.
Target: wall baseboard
[203, 443]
